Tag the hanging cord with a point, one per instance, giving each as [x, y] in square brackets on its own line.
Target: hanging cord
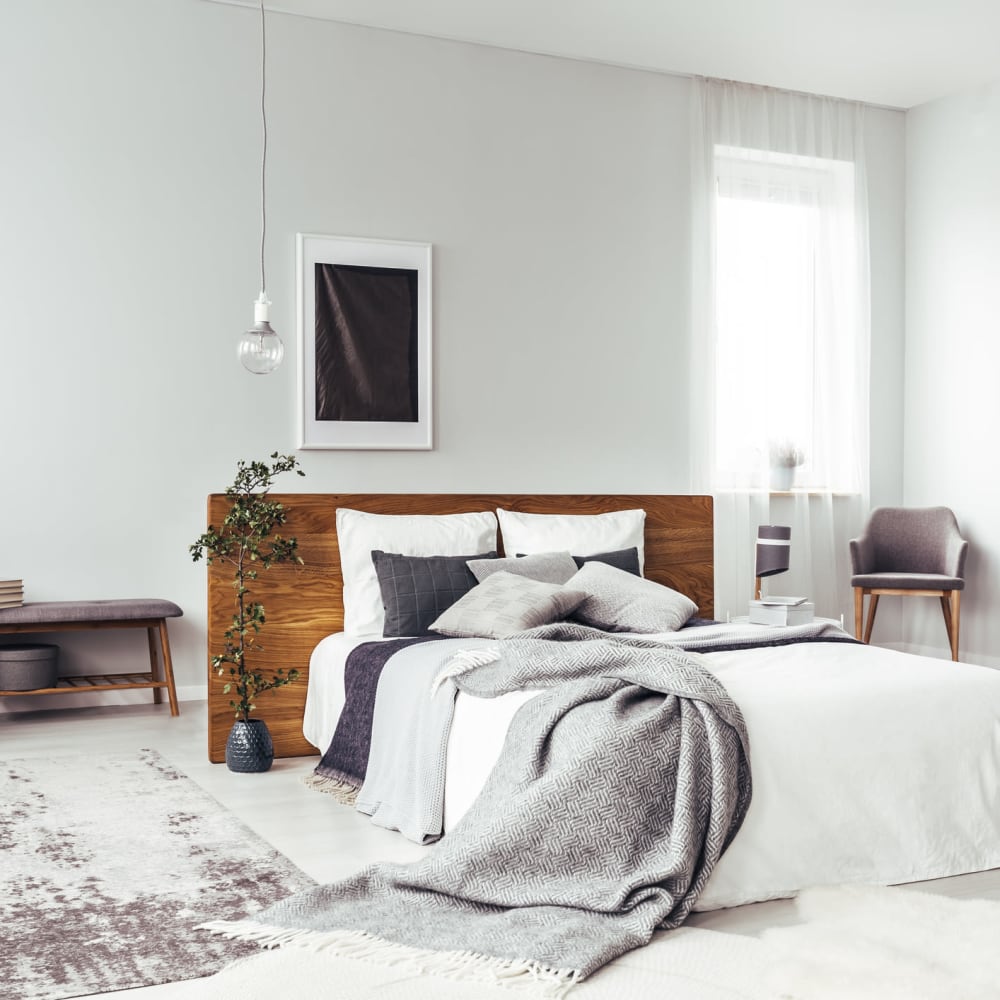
[263, 155]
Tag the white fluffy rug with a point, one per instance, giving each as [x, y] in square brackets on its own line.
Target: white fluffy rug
[853, 944]
[889, 944]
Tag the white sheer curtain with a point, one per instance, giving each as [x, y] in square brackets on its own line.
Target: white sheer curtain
[780, 338]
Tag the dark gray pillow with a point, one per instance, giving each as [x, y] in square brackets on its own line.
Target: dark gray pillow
[417, 589]
[625, 559]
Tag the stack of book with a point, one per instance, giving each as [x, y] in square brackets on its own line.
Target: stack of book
[11, 593]
[781, 611]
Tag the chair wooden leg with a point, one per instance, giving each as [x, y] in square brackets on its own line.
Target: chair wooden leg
[950, 605]
[859, 610]
[872, 608]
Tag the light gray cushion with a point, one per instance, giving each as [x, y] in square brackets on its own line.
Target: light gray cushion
[547, 567]
[620, 602]
[504, 604]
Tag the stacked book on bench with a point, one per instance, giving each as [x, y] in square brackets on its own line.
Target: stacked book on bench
[781, 611]
[11, 593]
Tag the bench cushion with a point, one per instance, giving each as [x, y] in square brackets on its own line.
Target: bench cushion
[50, 612]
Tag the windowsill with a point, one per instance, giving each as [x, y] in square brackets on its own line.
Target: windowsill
[796, 491]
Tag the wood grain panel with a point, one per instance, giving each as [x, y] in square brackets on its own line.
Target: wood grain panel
[305, 603]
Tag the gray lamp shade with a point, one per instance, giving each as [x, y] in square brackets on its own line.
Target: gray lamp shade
[773, 546]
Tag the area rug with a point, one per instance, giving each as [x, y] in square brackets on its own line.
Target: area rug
[862, 943]
[108, 865]
[854, 943]
[686, 964]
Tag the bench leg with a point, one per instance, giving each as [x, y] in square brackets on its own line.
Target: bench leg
[168, 666]
[154, 671]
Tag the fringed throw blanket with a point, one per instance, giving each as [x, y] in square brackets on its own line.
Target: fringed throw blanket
[341, 770]
[617, 791]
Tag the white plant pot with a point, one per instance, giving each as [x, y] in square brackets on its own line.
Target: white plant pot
[782, 478]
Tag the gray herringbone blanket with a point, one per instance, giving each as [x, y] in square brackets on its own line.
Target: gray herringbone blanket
[617, 791]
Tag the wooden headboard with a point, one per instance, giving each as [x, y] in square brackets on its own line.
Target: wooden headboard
[305, 603]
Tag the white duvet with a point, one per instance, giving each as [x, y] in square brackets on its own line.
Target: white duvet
[869, 765]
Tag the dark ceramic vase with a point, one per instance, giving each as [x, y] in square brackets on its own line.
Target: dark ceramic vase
[249, 749]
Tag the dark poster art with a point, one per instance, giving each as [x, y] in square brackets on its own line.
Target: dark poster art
[366, 343]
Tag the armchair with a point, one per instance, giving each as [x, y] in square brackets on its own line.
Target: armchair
[909, 552]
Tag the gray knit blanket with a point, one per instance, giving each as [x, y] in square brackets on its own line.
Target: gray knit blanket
[618, 789]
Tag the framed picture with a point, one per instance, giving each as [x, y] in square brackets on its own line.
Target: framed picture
[364, 330]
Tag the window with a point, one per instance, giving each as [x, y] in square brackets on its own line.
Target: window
[787, 307]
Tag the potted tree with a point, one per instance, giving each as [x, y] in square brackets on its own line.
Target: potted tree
[248, 541]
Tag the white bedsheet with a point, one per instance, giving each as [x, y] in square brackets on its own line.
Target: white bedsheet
[869, 765]
[325, 694]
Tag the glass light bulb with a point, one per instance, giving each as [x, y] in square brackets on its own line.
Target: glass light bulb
[261, 349]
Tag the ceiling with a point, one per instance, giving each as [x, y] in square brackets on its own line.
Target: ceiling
[895, 53]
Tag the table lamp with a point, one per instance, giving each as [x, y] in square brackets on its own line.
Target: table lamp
[773, 546]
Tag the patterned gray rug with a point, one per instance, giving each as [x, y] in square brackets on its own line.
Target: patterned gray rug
[107, 868]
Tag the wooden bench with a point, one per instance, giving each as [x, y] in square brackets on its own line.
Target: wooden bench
[75, 616]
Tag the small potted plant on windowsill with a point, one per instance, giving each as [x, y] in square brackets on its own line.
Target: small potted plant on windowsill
[248, 541]
[785, 457]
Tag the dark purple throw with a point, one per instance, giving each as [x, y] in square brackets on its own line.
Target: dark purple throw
[346, 759]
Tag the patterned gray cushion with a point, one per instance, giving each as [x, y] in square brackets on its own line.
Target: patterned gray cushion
[416, 589]
[548, 567]
[504, 604]
[617, 601]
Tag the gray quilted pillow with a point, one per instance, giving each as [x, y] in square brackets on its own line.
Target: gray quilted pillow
[617, 601]
[504, 604]
[547, 567]
[416, 589]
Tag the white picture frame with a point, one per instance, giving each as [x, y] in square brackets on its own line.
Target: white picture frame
[372, 257]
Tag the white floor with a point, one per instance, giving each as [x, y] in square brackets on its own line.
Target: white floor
[325, 839]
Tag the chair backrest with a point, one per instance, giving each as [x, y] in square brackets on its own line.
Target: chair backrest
[914, 540]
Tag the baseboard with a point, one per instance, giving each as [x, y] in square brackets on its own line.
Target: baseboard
[942, 653]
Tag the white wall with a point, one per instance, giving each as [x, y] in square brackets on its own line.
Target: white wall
[554, 192]
[952, 406]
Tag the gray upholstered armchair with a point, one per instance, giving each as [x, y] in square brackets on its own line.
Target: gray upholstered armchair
[911, 552]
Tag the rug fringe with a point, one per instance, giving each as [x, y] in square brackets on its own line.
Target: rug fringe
[520, 974]
[342, 791]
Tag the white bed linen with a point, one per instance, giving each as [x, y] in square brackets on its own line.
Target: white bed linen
[869, 765]
[325, 693]
[482, 723]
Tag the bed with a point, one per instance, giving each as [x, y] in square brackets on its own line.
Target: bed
[304, 604]
[869, 765]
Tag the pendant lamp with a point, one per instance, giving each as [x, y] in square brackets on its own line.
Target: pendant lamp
[260, 348]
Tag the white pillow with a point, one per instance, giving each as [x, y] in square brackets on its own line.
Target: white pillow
[580, 534]
[622, 602]
[360, 533]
